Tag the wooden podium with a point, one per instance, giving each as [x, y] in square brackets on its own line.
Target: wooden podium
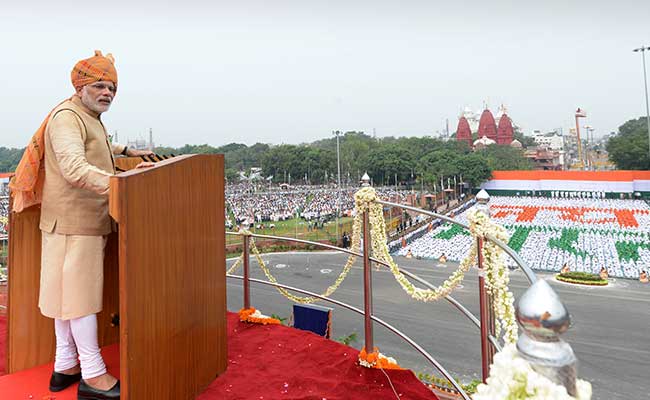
[164, 279]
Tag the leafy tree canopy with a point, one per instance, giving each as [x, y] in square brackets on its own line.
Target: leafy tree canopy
[629, 148]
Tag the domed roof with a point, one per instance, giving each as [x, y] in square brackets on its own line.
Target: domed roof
[484, 141]
[487, 126]
[505, 131]
[516, 143]
[463, 132]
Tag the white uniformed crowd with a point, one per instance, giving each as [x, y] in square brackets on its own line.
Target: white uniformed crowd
[282, 203]
[584, 234]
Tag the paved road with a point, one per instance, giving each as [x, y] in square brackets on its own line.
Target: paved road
[610, 333]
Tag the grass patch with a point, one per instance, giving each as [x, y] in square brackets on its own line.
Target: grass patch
[298, 228]
[444, 384]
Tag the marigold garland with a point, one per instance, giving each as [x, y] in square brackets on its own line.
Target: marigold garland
[377, 360]
[255, 316]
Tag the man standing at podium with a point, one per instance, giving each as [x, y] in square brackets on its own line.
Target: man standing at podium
[74, 223]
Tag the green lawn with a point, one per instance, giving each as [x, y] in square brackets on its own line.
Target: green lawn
[297, 228]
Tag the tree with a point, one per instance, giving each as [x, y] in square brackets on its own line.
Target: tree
[9, 158]
[475, 169]
[629, 148]
[505, 158]
[386, 161]
[526, 141]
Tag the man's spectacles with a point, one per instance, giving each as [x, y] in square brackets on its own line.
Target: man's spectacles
[102, 86]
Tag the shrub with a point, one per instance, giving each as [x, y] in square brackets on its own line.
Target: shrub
[581, 278]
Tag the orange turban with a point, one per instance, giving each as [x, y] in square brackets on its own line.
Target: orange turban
[27, 184]
[93, 69]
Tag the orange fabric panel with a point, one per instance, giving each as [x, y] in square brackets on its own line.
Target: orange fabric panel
[610, 176]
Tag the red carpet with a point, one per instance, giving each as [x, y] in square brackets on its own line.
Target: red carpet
[264, 362]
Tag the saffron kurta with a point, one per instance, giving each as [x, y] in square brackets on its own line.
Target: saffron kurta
[74, 211]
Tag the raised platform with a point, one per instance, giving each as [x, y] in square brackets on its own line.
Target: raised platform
[264, 362]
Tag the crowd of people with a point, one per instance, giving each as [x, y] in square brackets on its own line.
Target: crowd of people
[4, 214]
[315, 204]
[583, 234]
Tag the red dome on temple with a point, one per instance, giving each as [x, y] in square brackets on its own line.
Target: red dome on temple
[505, 133]
[487, 126]
[463, 132]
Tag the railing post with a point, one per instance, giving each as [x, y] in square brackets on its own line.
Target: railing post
[367, 283]
[247, 289]
[367, 274]
[491, 328]
[483, 305]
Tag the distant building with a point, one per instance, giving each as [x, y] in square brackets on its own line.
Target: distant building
[470, 126]
[142, 144]
[544, 158]
[550, 140]
[464, 132]
[483, 143]
[487, 126]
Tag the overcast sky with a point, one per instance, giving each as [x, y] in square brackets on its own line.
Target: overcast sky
[292, 71]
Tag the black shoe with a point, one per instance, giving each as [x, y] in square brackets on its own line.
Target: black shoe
[60, 381]
[85, 392]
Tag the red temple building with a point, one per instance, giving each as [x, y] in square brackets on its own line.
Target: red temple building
[505, 133]
[463, 132]
[498, 130]
[487, 126]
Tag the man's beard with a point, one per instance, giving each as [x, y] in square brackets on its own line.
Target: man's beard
[93, 104]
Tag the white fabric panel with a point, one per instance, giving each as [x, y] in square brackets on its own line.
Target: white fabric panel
[641, 186]
[567, 185]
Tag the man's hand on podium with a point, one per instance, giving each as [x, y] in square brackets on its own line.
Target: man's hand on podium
[145, 164]
[137, 153]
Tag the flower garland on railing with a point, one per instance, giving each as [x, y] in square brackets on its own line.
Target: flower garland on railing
[237, 263]
[256, 317]
[366, 201]
[512, 377]
[377, 360]
[310, 299]
[497, 273]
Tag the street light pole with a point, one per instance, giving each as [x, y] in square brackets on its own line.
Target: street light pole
[642, 49]
[590, 131]
[338, 187]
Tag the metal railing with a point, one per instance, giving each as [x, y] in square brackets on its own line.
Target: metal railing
[485, 323]
[489, 342]
[366, 312]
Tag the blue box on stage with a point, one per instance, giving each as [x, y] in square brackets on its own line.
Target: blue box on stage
[313, 318]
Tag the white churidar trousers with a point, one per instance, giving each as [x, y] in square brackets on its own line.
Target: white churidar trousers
[77, 338]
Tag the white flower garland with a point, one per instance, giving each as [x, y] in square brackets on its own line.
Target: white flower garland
[497, 273]
[365, 200]
[330, 290]
[496, 278]
[512, 377]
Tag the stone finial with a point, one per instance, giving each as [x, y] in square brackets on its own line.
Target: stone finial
[482, 199]
[365, 180]
[543, 318]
